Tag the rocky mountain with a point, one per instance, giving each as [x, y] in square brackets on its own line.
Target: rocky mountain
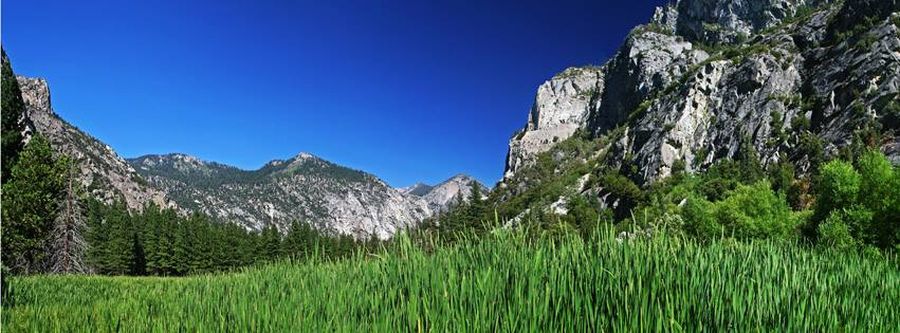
[103, 173]
[417, 189]
[442, 196]
[796, 80]
[305, 187]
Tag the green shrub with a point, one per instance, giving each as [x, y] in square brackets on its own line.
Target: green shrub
[835, 233]
[755, 211]
[698, 218]
[838, 187]
[866, 199]
[620, 186]
[880, 193]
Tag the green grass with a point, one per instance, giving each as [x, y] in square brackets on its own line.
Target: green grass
[502, 283]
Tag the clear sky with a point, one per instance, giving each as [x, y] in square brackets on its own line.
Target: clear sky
[407, 90]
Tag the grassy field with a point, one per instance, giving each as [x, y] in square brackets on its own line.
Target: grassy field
[502, 283]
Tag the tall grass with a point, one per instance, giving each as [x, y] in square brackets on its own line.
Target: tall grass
[501, 283]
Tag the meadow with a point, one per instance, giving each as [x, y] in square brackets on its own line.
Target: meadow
[504, 282]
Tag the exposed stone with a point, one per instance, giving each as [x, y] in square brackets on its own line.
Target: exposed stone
[559, 110]
[104, 173]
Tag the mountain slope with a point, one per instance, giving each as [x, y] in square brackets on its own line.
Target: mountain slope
[104, 173]
[786, 81]
[705, 76]
[305, 187]
[442, 196]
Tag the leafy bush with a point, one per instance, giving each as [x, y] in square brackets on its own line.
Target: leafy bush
[835, 233]
[838, 187]
[699, 220]
[755, 211]
[866, 199]
[747, 212]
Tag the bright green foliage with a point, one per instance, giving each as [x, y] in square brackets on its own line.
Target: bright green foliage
[504, 282]
[29, 205]
[838, 187]
[750, 211]
[866, 199]
[700, 222]
[755, 211]
[880, 193]
[835, 233]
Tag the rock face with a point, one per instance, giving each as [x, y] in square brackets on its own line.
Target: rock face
[441, 197]
[559, 110]
[104, 173]
[305, 187]
[706, 76]
[419, 189]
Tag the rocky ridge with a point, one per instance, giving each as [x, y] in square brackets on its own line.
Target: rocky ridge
[307, 188]
[441, 197]
[787, 77]
[106, 175]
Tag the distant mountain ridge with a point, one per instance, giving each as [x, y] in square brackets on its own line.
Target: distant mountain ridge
[333, 198]
[441, 196]
[304, 187]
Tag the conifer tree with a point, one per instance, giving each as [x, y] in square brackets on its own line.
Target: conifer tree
[13, 114]
[118, 256]
[30, 199]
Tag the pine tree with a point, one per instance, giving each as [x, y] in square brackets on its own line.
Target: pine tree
[118, 256]
[12, 122]
[30, 200]
[67, 244]
[300, 240]
[476, 208]
[97, 235]
[271, 243]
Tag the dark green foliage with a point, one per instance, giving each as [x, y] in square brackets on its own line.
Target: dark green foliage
[30, 201]
[583, 215]
[13, 112]
[270, 244]
[623, 189]
[300, 240]
[160, 242]
[811, 146]
[782, 176]
[678, 167]
[779, 136]
[800, 123]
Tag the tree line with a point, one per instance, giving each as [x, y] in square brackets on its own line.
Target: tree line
[50, 224]
[161, 242]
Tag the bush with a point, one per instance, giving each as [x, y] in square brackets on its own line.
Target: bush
[880, 193]
[747, 212]
[838, 187]
[866, 199]
[699, 220]
[835, 233]
[621, 188]
[755, 211]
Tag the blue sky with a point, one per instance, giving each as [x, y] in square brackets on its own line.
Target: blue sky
[407, 90]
